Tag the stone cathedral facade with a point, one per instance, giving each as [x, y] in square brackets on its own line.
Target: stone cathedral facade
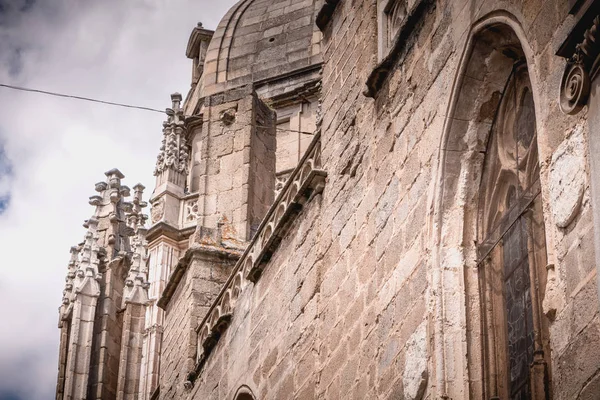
[356, 199]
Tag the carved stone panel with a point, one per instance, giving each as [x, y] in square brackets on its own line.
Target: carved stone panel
[158, 210]
[191, 210]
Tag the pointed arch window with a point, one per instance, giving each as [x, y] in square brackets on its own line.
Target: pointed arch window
[512, 250]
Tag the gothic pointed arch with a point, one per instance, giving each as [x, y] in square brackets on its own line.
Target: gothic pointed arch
[489, 180]
[511, 250]
[244, 393]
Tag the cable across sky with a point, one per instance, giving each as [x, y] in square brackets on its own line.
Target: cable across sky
[111, 103]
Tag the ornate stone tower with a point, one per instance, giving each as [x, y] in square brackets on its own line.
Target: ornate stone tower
[102, 315]
[226, 149]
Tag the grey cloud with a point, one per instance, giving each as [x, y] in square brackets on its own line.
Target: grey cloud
[56, 149]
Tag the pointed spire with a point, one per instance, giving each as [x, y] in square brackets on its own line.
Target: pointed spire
[174, 149]
[87, 274]
[67, 298]
[136, 283]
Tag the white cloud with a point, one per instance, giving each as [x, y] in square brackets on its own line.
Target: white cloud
[130, 51]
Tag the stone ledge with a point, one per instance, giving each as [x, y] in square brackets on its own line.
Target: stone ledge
[307, 179]
[198, 251]
[164, 229]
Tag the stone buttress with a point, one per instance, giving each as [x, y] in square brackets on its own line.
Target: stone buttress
[215, 182]
[101, 318]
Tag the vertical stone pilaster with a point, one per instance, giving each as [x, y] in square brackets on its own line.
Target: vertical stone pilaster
[172, 166]
[86, 290]
[238, 180]
[135, 298]
[580, 86]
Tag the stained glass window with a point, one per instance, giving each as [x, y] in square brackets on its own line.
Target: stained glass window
[512, 248]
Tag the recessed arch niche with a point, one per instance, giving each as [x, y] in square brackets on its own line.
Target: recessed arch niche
[494, 66]
[244, 393]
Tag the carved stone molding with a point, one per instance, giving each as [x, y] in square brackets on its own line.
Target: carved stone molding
[582, 66]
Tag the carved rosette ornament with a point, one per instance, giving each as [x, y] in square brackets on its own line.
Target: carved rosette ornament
[581, 69]
[174, 150]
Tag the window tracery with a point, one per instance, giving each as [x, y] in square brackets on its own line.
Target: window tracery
[512, 251]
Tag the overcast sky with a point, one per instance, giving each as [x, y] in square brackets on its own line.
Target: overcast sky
[53, 150]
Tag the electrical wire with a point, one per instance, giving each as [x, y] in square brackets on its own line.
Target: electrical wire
[69, 96]
[110, 103]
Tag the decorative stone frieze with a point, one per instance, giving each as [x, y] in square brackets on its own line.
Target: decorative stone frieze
[306, 180]
[174, 150]
[158, 210]
[280, 181]
[582, 67]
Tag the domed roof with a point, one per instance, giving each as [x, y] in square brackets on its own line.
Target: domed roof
[261, 39]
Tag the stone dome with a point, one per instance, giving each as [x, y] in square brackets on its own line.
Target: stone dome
[259, 40]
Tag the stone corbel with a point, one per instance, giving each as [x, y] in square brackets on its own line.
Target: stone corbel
[582, 67]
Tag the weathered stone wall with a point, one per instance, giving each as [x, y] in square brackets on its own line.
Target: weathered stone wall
[200, 283]
[237, 173]
[371, 293]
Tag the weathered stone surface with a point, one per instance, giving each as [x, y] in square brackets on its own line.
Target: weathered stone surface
[378, 270]
[568, 178]
[415, 368]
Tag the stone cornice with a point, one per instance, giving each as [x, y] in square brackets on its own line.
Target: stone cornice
[401, 43]
[315, 67]
[582, 51]
[196, 251]
[307, 179]
[164, 229]
[310, 89]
